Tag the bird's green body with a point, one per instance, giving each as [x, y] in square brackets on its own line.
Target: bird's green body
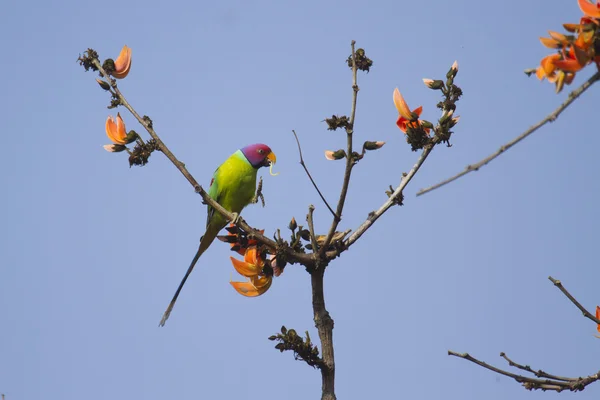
[233, 186]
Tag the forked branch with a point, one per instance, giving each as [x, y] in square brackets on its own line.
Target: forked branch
[544, 380]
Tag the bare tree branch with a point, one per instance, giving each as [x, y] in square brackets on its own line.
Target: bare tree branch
[311, 229]
[585, 312]
[324, 325]
[544, 380]
[349, 156]
[392, 200]
[539, 373]
[558, 385]
[550, 118]
[310, 177]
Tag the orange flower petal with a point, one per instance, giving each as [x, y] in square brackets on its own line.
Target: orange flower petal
[547, 64]
[115, 130]
[254, 288]
[123, 63]
[539, 73]
[245, 289]
[571, 27]
[550, 43]
[262, 283]
[589, 9]
[253, 256]
[569, 65]
[559, 37]
[245, 268]
[121, 131]
[585, 38]
[598, 316]
[401, 122]
[401, 105]
[418, 110]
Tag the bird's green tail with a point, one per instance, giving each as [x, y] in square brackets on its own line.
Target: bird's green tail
[205, 241]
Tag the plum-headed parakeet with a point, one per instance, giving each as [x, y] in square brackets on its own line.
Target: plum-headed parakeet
[233, 186]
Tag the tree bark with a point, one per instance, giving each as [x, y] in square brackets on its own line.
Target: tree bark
[324, 324]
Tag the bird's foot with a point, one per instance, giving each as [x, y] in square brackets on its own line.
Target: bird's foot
[236, 218]
[258, 195]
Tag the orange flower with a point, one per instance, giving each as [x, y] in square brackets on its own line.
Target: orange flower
[116, 132]
[122, 63]
[549, 69]
[251, 268]
[591, 9]
[252, 264]
[407, 118]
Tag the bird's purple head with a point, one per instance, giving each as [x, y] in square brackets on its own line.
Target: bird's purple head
[259, 155]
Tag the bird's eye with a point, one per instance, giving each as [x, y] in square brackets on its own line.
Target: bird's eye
[260, 151]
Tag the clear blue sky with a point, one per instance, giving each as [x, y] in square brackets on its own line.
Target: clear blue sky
[91, 251]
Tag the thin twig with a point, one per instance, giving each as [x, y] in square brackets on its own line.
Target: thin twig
[585, 312]
[483, 364]
[558, 385]
[392, 200]
[310, 177]
[539, 373]
[550, 118]
[311, 228]
[293, 256]
[349, 156]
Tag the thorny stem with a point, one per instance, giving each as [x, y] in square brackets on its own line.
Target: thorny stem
[310, 176]
[550, 118]
[349, 156]
[293, 256]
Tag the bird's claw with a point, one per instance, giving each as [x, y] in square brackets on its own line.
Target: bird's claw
[236, 218]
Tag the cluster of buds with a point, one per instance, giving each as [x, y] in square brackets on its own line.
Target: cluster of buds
[341, 153]
[418, 131]
[258, 266]
[303, 348]
[363, 63]
[574, 51]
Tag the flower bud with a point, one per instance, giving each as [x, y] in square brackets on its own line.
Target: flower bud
[335, 155]
[131, 137]
[453, 70]
[293, 225]
[104, 85]
[433, 84]
[426, 124]
[454, 121]
[114, 148]
[373, 145]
